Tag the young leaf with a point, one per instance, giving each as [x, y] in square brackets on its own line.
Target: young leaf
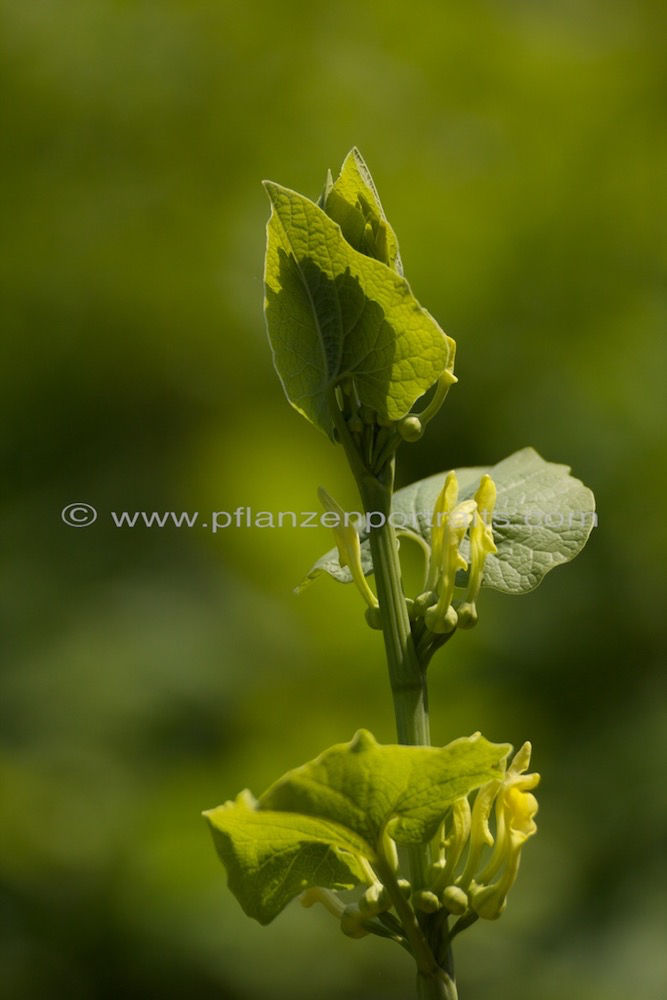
[543, 517]
[354, 204]
[271, 857]
[368, 787]
[334, 314]
[317, 825]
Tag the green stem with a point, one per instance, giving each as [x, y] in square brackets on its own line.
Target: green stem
[427, 967]
[433, 982]
[409, 691]
[408, 683]
[442, 987]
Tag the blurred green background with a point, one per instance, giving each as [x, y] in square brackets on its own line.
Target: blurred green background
[150, 673]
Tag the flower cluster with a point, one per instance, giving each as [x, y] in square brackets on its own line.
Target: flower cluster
[484, 890]
[451, 522]
[463, 880]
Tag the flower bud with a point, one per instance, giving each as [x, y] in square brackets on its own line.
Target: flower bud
[426, 901]
[374, 900]
[373, 618]
[441, 622]
[410, 428]
[423, 602]
[454, 900]
[467, 615]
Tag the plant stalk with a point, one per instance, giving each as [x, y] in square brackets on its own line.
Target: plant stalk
[441, 987]
[410, 695]
[407, 679]
[409, 691]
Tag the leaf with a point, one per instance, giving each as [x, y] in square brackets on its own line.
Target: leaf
[365, 785]
[543, 517]
[271, 857]
[353, 203]
[334, 314]
[321, 822]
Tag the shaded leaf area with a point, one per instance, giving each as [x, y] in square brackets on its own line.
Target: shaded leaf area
[353, 202]
[334, 314]
[271, 857]
[543, 518]
[319, 823]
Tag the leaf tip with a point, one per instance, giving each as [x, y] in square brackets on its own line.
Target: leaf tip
[271, 189]
[307, 580]
[362, 740]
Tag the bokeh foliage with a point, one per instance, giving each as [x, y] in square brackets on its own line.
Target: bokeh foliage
[150, 673]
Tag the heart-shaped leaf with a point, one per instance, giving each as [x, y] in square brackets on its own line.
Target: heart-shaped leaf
[317, 825]
[543, 517]
[368, 787]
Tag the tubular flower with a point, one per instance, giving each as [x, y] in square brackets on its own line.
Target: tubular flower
[460, 830]
[481, 545]
[515, 809]
[348, 545]
[446, 558]
[446, 380]
[443, 505]
[480, 831]
[454, 843]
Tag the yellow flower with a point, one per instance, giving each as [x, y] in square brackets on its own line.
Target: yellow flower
[450, 523]
[515, 808]
[481, 545]
[452, 846]
[480, 831]
[349, 548]
[445, 502]
[446, 380]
